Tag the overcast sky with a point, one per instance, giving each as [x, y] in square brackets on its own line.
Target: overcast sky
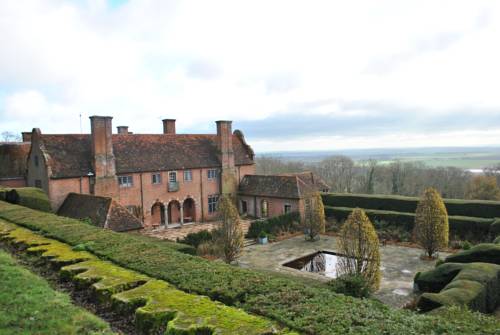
[293, 75]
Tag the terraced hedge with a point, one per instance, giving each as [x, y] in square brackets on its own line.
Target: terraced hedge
[455, 207]
[287, 222]
[155, 303]
[303, 306]
[31, 197]
[464, 227]
[28, 305]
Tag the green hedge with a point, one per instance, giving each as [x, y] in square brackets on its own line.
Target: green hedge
[484, 252]
[287, 222]
[31, 197]
[476, 285]
[471, 228]
[310, 308]
[455, 207]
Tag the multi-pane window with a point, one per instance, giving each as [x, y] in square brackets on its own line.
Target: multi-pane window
[156, 178]
[287, 208]
[125, 181]
[188, 175]
[212, 203]
[212, 174]
[172, 176]
[36, 160]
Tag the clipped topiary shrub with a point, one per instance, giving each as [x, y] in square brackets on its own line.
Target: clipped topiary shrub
[431, 222]
[358, 242]
[475, 285]
[314, 216]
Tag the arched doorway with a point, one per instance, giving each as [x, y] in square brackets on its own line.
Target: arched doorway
[189, 210]
[158, 214]
[174, 212]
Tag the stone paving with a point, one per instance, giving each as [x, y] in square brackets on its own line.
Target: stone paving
[399, 264]
[181, 231]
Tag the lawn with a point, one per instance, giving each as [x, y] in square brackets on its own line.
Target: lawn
[28, 305]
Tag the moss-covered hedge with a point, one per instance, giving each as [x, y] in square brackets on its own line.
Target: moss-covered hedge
[455, 207]
[284, 223]
[31, 197]
[484, 252]
[303, 306]
[472, 228]
[476, 285]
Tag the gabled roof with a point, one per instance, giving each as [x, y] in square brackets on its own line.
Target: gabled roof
[291, 186]
[13, 159]
[102, 211]
[71, 155]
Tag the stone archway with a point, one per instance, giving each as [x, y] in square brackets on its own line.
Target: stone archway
[189, 210]
[174, 212]
[158, 214]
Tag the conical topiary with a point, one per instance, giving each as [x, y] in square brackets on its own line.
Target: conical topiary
[431, 222]
[358, 241]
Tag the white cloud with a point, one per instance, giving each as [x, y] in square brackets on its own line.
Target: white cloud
[199, 61]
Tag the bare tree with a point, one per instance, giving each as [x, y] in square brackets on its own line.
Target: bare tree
[8, 136]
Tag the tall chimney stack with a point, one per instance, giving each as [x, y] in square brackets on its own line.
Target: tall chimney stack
[122, 130]
[225, 146]
[103, 159]
[168, 126]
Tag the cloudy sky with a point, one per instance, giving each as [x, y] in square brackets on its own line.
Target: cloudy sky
[293, 75]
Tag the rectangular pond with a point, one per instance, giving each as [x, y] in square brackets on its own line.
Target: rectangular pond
[321, 262]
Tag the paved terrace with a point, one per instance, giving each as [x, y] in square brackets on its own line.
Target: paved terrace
[399, 264]
[180, 232]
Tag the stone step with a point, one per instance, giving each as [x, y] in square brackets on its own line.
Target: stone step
[248, 242]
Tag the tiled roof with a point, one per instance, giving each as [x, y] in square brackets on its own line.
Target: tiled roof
[292, 186]
[70, 155]
[102, 211]
[13, 158]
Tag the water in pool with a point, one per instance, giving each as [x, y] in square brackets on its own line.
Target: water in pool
[323, 262]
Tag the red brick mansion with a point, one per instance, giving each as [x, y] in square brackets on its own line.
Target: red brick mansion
[164, 179]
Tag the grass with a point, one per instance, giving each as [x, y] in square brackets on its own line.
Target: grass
[28, 305]
[309, 309]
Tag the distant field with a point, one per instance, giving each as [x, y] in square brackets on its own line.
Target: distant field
[465, 158]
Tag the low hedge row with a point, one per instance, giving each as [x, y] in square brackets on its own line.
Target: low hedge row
[287, 222]
[154, 303]
[31, 197]
[472, 228]
[306, 307]
[455, 207]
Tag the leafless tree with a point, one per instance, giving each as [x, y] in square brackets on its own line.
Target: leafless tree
[8, 136]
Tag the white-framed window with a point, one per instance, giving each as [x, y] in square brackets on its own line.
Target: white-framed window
[212, 203]
[172, 176]
[212, 174]
[287, 208]
[188, 175]
[156, 178]
[125, 181]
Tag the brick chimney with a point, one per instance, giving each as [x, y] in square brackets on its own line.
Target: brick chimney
[26, 136]
[122, 130]
[103, 159]
[225, 146]
[168, 126]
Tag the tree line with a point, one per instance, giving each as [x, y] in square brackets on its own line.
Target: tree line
[344, 175]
